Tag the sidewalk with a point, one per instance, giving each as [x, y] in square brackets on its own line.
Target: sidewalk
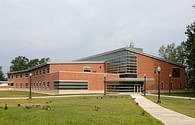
[168, 117]
[39, 97]
[179, 97]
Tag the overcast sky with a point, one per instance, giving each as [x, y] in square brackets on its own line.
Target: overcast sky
[65, 30]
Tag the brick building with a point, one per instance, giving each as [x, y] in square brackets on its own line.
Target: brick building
[120, 70]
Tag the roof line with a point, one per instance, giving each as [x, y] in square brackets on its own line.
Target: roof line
[155, 57]
[71, 62]
[96, 55]
[132, 50]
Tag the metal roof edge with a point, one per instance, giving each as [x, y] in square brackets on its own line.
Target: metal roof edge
[77, 62]
[25, 70]
[134, 51]
[155, 57]
[96, 55]
[71, 62]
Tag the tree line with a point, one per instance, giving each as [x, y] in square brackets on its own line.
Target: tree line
[183, 54]
[22, 63]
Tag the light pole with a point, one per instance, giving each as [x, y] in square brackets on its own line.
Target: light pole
[104, 84]
[30, 85]
[159, 84]
[170, 84]
[144, 84]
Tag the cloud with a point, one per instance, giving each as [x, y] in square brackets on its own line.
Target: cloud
[69, 29]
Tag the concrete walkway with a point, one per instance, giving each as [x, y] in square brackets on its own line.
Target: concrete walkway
[39, 97]
[168, 117]
[179, 97]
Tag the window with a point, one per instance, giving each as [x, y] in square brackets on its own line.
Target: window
[43, 70]
[8, 76]
[16, 75]
[12, 84]
[20, 85]
[37, 72]
[40, 71]
[26, 74]
[47, 68]
[34, 84]
[171, 85]
[16, 85]
[162, 86]
[12, 76]
[34, 73]
[154, 69]
[47, 84]
[26, 85]
[176, 72]
[180, 85]
[70, 85]
[87, 69]
[39, 84]
[20, 75]
[43, 84]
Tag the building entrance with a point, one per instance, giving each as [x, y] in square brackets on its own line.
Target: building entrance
[138, 87]
[124, 86]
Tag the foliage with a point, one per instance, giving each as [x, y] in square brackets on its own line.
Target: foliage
[190, 54]
[22, 63]
[172, 53]
[76, 111]
[2, 77]
[19, 63]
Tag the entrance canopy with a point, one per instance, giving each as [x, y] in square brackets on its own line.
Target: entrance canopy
[125, 84]
[128, 79]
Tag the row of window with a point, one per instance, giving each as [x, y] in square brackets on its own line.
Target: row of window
[171, 85]
[32, 84]
[175, 72]
[34, 73]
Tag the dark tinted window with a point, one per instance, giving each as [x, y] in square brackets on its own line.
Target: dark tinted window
[176, 72]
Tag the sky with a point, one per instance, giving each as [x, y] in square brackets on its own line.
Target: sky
[65, 30]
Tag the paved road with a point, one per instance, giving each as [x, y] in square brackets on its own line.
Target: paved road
[168, 117]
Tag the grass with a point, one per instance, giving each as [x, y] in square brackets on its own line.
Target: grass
[184, 106]
[12, 93]
[120, 110]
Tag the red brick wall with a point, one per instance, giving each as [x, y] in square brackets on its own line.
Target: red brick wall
[95, 67]
[95, 78]
[18, 80]
[145, 65]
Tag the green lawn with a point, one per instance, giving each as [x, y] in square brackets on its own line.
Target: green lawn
[120, 110]
[184, 106]
[12, 93]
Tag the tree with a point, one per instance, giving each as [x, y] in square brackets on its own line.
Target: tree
[189, 46]
[19, 63]
[172, 53]
[22, 63]
[43, 60]
[180, 54]
[33, 62]
[2, 78]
